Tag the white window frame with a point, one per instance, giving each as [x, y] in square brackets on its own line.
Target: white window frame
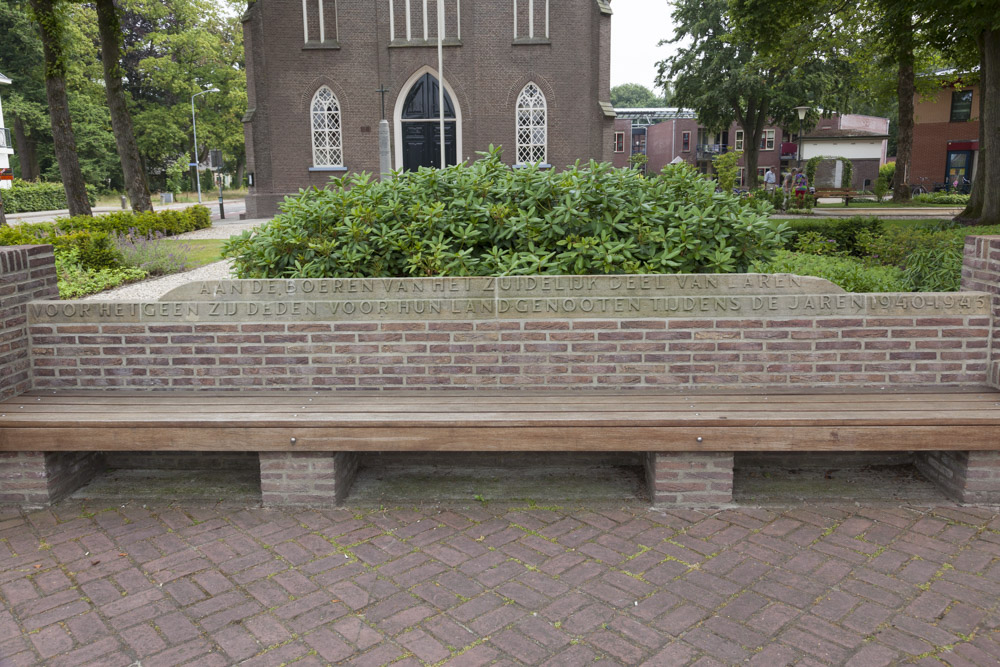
[619, 141]
[333, 135]
[429, 16]
[322, 20]
[738, 145]
[767, 140]
[530, 103]
[742, 180]
[686, 135]
[531, 19]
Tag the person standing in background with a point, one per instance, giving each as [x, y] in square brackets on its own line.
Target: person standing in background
[770, 181]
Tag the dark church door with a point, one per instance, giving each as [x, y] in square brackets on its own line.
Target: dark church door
[421, 126]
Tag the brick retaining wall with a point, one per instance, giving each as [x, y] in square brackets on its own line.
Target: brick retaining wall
[981, 273]
[515, 354]
[895, 346]
[27, 273]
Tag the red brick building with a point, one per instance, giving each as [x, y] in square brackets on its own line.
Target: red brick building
[530, 75]
[946, 136]
[664, 135]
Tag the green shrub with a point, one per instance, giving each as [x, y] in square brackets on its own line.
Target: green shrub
[813, 243]
[888, 172]
[76, 280]
[26, 197]
[149, 253]
[488, 219]
[845, 231]
[93, 237]
[942, 198]
[936, 268]
[726, 169]
[848, 272]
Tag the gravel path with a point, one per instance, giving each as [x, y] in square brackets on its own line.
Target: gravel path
[151, 290]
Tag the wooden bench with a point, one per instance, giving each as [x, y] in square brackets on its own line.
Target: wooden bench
[702, 428]
[841, 193]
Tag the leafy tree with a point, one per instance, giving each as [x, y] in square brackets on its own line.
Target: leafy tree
[634, 95]
[962, 27]
[721, 74]
[51, 17]
[121, 121]
[24, 101]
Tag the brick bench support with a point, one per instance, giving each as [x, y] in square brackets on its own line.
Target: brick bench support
[968, 477]
[306, 478]
[689, 478]
[37, 479]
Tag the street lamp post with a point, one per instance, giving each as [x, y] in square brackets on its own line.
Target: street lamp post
[802, 111]
[194, 129]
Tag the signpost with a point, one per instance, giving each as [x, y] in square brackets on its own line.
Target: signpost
[215, 164]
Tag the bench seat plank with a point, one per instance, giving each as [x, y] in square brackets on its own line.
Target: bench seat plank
[487, 439]
[654, 420]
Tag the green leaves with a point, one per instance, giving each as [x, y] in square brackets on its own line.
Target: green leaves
[488, 219]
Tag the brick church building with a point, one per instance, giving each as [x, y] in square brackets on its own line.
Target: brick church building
[530, 75]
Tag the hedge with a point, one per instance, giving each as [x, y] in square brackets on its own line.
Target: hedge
[488, 219]
[847, 232]
[850, 273]
[92, 237]
[26, 197]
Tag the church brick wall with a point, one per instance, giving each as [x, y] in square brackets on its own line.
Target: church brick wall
[487, 72]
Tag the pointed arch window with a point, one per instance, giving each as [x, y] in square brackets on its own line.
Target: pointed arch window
[327, 144]
[532, 125]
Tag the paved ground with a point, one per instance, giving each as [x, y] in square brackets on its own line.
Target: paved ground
[458, 585]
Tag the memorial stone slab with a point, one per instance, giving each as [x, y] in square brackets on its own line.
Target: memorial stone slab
[735, 284]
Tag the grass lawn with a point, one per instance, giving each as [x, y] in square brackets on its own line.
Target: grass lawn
[871, 203]
[199, 252]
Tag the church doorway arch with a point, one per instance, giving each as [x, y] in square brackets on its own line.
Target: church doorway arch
[418, 130]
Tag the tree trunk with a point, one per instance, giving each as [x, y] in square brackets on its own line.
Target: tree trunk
[3, 216]
[27, 155]
[121, 122]
[240, 172]
[974, 209]
[905, 89]
[988, 172]
[55, 91]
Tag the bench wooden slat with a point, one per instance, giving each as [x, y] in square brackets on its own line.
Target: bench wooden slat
[561, 438]
[572, 420]
[50, 411]
[497, 418]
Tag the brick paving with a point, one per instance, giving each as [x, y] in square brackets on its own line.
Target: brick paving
[455, 585]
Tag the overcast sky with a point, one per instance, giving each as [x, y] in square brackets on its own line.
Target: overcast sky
[636, 27]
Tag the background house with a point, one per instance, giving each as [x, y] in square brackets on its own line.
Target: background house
[668, 133]
[532, 76]
[945, 136]
[6, 147]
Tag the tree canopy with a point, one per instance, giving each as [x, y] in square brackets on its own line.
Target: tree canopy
[636, 95]
[170, 49]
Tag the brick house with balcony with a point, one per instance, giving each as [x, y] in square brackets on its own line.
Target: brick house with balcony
[666, 134]
[945, 136]
[6, 147]
[530, 75]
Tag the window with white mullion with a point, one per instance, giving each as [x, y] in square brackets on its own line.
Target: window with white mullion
[532, 126]
[327, 144]
[305, 20]
[528, 14]
[417, 20]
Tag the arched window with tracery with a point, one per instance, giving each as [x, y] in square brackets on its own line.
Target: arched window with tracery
[327, 145]
[532, 125]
